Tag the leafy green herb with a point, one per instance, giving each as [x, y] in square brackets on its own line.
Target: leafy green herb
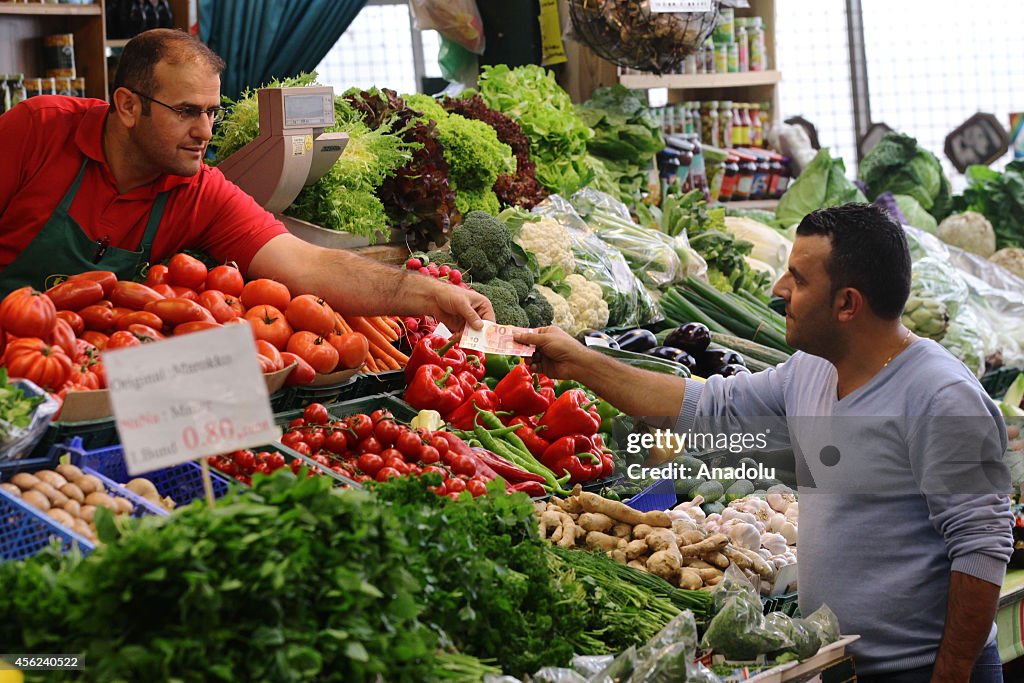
[16, 409]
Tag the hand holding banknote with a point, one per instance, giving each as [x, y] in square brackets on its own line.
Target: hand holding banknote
[495, 338]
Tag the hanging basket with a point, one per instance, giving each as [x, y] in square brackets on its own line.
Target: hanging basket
[629, 34]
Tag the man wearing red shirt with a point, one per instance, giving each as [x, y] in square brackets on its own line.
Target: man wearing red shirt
[91, 186]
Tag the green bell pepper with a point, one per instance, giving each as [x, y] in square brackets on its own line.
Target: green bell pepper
[498, 365]
[608, 413]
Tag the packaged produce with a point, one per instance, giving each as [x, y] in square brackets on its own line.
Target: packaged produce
[899, 165]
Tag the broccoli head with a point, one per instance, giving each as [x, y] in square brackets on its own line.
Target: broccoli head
[520, 277]
[441, 257]
[538, 309]
[482, 245]
[507, 310]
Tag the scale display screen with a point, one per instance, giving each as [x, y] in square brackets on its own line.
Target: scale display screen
[316, 110]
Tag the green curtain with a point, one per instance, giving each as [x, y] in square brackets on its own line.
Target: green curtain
[264, 39]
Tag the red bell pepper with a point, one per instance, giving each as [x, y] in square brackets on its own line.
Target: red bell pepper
[571, 413]
[464, 417]
[535, 443]
[475, 364]
[435, 388]
[519, 392]
[454, 358]
[468, 382]
[573, 455]
[428, 351]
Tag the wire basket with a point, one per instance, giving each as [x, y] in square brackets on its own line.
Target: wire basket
[629, 34]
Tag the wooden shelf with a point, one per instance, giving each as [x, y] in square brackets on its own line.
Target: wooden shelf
[767, 204]
[699, 81]
[48, 9]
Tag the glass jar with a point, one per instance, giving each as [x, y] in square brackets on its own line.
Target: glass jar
[777, 171]
[698, 127]
[745, 180]
[729, 178]
[762, 177]
[709, 123]
[33, 87]
[724, 124]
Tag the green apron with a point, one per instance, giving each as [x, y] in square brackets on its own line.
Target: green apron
[63, 248]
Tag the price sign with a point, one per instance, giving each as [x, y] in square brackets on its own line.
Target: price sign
[658, 6]
[980, 139]
[188, 397]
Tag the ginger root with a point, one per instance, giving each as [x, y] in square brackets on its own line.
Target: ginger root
[592, 502]
[711, 544]
[601, 541]
[595, 521]
[689, 579]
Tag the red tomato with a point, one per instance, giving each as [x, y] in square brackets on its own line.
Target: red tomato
[106, 279]
[389, 453]
[165, 290]
[302, 373]
[266, 292]
[245, 460]
[316, 439]
[454, 485]
[428, 455]
[385, 473]
[386, 432]
[395, 461]
[463, 464]
[381, 414]
[297, 422]
[178, 310]
[433, 469]
[310, 313]
[97, 339]
[266, 364]
[83, 379]
[292, 439]
[27, 312]
[409, 443]
[120, 312]
[476, 487]
[440, 443]
[73, 319]
[352, 349]
[269, 323]
[185, 293]
[235, 304]
[84, 351]
[369, 445]
[35, 360]
[127, 294]
[145, 333]
[186, 271]
[122, 339]
[139, 318]
[195, 326]
[371, 463]
[275, 461]
[316, 414]
[337, 441]
[214, 301]
[226, 278]
[98, 318]
[314, 350]
[361, 425]
[157, 275]
[72, 295]
[64, 337]
[268, 350]
[303, 448]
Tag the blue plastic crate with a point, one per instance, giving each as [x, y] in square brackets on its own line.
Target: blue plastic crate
[24, 530]
[183, 483]
[661, 495]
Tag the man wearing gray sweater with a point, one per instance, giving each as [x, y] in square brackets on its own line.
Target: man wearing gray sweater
[905, 524]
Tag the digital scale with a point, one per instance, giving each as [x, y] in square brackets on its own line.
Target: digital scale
[292, 149]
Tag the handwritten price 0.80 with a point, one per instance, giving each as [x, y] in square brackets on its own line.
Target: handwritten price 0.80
[215, 433]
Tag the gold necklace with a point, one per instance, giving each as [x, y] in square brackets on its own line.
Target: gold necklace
[895, 353]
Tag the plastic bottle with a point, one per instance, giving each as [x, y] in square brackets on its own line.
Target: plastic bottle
[709, 57]
[743, 46]
[698, 125]
[766, 120]
[762, 177]
[734, 58]
[698, 177]
[739, 133]
[777, 170]
[756, 126]
[746, 123]
[724, 124]
[758, 50]
[722, 58]
[745, 181]
[729, 178]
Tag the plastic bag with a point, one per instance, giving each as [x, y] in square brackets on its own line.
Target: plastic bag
[966, 338]
[552, 674]
[456, 20]
[668, 655]
[591, 666]
[739, 631]
[825, 622]
[620, 668]
[733, 582]
[20, 441]
[629, 304]
[803, 637]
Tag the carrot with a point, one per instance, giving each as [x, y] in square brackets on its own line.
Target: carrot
[385, 329]
[378, 341]
[382, 359]
[370, 364]
[342, 323]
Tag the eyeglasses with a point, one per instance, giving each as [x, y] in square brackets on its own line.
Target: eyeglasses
[190, 114]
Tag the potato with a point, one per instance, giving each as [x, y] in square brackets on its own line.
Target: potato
[56, 497]
[24, 480]
[61, 517]
[142, 487]
[89, 484]
[70, 472]
[87, 512]
[83, 529]
[101, 500]
[124, 506]
[11, 489]
[51, 478]
[73, 508]
[73, 492]
[36, 499]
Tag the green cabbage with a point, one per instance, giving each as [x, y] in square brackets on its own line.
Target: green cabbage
[899, 165]
[915, 213]
[822, 184]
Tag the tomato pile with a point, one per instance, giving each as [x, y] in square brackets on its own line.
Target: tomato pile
[244, 463]
[55, 338]
[377, 447]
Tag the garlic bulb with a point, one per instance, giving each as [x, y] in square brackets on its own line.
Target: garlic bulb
[776, 521]
[788, 532]
[776, 543]
[744, 535]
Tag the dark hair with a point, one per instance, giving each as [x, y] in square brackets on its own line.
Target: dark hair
[869, 254]
[136, 69]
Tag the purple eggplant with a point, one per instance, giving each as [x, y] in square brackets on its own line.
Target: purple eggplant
[637, 340]
[691, 337]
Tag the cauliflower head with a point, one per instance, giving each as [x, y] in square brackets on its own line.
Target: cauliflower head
[562, 315]
[586, 303]
[970, 231]
[549, 241]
